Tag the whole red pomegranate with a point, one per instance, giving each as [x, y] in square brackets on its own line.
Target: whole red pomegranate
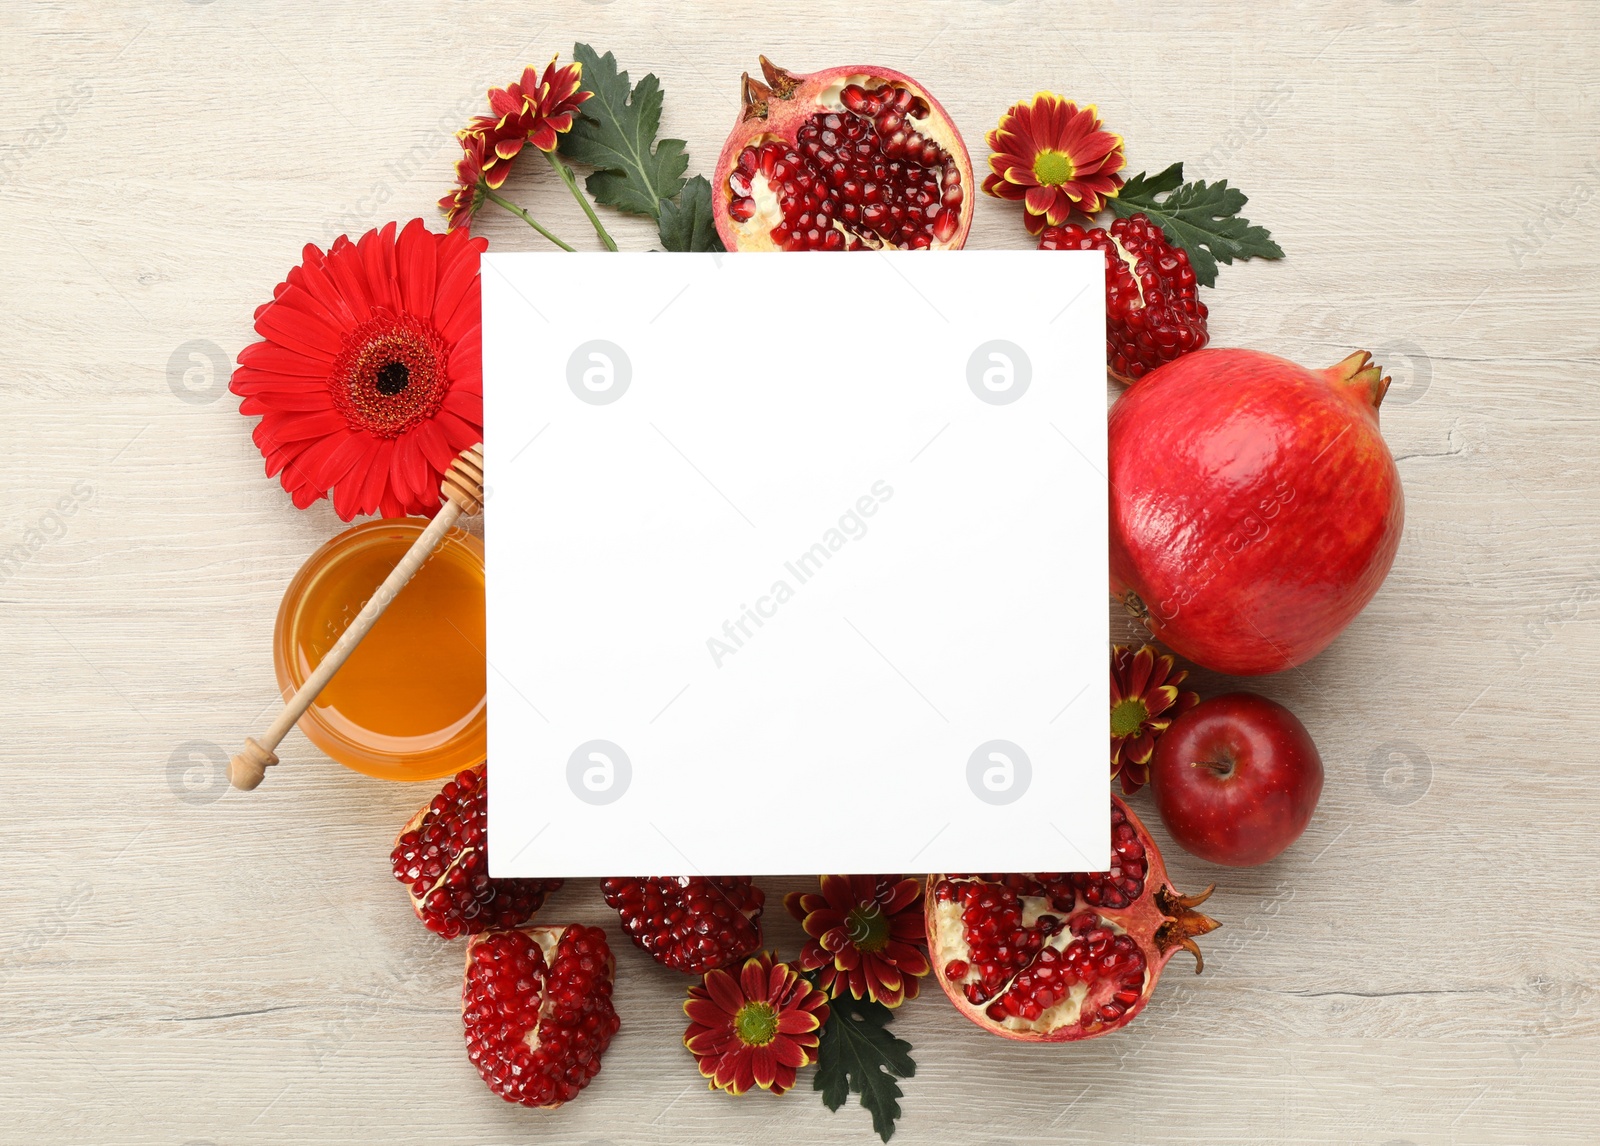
[845, 159]
[1255, 508]
[1056, 957]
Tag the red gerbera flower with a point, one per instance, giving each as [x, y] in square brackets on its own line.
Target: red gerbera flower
[1145, 699]
[867, 935]
[1054, 157]
[756, 1030]
[369, 378]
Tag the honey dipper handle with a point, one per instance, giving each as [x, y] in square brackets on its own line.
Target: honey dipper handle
[463, 492]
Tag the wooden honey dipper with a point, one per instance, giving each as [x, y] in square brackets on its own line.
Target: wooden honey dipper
[462, 489]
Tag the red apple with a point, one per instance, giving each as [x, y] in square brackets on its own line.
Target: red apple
[1236, 779]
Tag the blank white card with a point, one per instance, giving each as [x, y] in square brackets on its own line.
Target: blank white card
[796, 562]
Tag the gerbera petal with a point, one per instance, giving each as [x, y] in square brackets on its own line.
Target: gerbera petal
[465, 405]
[377, 262]
[466, 367]
[377, 477]
[298, 331]
[351, 449]
[347, 489]
[466, 318]
[415, 260]
[435, 447]
[400, 475]
[300, 399]
[296, 426]
[344, 268]
[458, 267]
[458, 432]
[270, 356]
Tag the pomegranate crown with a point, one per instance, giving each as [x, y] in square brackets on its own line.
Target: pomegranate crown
[756, 95]
[1359, 373]
[1184, 922]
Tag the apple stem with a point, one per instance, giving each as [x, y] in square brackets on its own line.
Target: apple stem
[1223, 769]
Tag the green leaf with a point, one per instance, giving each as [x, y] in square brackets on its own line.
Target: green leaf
[1202, 218]
[859, 1054]
[687, 225]
[616, 134]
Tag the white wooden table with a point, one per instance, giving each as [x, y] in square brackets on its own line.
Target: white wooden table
[181, 963]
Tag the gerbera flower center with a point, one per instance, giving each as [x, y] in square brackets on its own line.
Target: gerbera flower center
[1053, 168]
[1128, 716]
[391, 373]
[392, 378]
[868, 927]
[756, 1023]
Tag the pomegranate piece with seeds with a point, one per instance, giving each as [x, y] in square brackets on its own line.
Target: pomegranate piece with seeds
[1056, 957]
[846, 159]
[692, 924]
[1153, 308]
[440, 856]
[536, 1007]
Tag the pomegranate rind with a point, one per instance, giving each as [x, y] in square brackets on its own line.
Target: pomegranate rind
[797, 99]
[1161, 921]
[1255, 506]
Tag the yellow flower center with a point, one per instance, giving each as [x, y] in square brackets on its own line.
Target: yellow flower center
[1053, 168]
[1128, 717]
[868, 927]
[756, 1023]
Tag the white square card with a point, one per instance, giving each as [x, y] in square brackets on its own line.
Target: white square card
[796, 562]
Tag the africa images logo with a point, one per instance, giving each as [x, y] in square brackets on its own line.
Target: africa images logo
[999, 772]
[598, 372]
[999, 372]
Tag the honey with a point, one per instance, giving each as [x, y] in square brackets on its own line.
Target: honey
[409, 703]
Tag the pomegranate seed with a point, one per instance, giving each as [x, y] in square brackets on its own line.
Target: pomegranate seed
[536, 1031]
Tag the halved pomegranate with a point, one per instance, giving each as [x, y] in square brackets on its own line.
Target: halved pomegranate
[536, 1008]
[1055, 957]
[845, 159]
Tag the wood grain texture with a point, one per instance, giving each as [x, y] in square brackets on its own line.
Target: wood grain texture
[185, 964]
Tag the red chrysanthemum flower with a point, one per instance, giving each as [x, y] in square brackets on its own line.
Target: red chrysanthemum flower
[536, 110]
[462, 203]
[1145, 699]
[369, 378]
[754, 1030]
[1053, 157]
[867, 936]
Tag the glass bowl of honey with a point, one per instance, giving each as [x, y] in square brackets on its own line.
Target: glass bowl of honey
[409, 704]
